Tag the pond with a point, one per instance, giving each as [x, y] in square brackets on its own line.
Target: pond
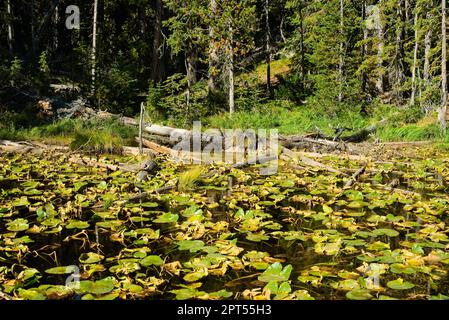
[74, 232]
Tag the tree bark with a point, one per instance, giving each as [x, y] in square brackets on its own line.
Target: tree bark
[443, 108]
[415, 60]
[213, 53]
[268, 46]
[427, 52]
[157, 40]
[364, 46]
[9, 27]
[56, 25]
[399, 73]
[341, 63]
[303, 53]
[94, 46]
[380, 52]
[231, 71]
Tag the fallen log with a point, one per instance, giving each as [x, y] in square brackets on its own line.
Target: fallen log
[363, 134]
[354, 177]
[312, 163]
[260, 160]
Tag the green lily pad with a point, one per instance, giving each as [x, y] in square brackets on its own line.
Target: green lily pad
[151, 261]
[401, 268]
[106, 297]
[257, 237]
[167, 218]
[58, 292]
[18, 225]
[90, 257]
[99, 287]
[386, 232]
[76, 224]
[190, 245]
[400, 284]
[62, 270]
[275, 272]
[196, 275]
[346, 285]
[22, 202]
[222, 294]
[30, 294]
[359, 294]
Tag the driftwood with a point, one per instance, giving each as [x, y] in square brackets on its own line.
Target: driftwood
[354, 177]
[145, 195]
[90, 162]
[364, 134]
[260, 160]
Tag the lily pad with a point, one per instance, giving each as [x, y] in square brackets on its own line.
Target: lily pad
[400, 284]
[90, 257]
[151, 261]
[76, 224]
[386, 232]
[99, 287]
[275, 272]
[62, 270]
[190, 245]
[359, 294]
[18, 225]
[167, 218]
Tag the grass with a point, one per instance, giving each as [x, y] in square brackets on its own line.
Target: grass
[98, 136]
[288, 119]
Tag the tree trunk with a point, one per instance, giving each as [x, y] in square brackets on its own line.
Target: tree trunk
[56, 26]
[231, 71]
[399, 70]
[415, 60]
[213, 53]
[268, 46]
[302, 67]
[364, 46]
[341, 63]
[443, 108]
[9, 27]
[157, 40]
[427, 52]
[94, 45]
[191, 66]
[380, 52]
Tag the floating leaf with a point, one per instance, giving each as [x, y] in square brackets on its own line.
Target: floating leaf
[151, 261]
[76, 224]
[167, 218]
[18, 225]
[62, 270]
[31, 294]
[257, 237]
[386, 232]
[90, 257]
[196, 275]
[400, 284]
[22, 202]
[275, 272]
[359, 294]
[190, 245]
